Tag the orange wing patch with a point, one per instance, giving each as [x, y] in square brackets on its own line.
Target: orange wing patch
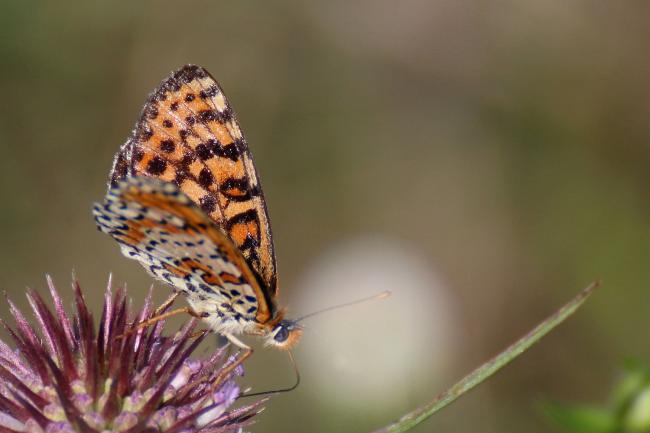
[188, 134]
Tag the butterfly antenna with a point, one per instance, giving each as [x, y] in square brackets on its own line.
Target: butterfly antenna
[383, 295]
[278, 391]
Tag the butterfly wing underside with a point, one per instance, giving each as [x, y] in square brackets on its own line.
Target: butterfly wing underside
[188, 135]
[157, 225]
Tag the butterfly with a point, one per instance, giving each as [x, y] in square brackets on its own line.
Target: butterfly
[185, 201]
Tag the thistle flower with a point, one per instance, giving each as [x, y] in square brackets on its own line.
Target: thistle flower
[70, 378]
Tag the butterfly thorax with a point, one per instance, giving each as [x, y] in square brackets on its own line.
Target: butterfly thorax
[278, 332]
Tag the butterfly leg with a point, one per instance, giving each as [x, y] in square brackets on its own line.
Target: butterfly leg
[159, 317]
[237, 342]
[225, 373]
[165, 305]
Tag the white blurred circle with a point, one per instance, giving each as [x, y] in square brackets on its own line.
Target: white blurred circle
[379, 351]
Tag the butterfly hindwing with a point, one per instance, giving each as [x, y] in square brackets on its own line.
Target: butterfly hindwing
[159, 226]
[188, 135]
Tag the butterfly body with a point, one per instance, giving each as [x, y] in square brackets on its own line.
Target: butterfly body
[185, 201]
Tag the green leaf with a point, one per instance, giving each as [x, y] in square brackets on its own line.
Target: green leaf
[635, 378]
[486, 370]
[637, 419]
[582, 419]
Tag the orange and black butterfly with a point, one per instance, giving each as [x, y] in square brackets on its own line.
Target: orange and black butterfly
[185, 201]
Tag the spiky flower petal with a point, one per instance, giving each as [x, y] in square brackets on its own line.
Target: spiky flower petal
[70, 377]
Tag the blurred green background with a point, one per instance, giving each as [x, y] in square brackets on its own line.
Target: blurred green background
[502, 146]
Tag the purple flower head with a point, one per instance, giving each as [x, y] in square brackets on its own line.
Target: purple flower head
[66, 376]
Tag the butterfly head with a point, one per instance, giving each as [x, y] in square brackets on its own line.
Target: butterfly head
[284, 335]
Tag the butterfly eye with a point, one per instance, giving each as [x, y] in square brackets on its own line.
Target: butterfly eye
[281, 335]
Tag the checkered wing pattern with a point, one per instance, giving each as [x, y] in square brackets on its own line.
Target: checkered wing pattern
[160, 227]
[188, 135]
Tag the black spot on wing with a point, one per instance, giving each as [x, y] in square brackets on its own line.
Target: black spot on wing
[208, 203]
[156, 165]
[167, 146]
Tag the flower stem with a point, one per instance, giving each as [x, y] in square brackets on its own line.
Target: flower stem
[490, 367]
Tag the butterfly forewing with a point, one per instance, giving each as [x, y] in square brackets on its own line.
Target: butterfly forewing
[188, 135]
[158, 225]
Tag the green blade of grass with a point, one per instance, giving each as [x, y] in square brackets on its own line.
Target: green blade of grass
[486, 370]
